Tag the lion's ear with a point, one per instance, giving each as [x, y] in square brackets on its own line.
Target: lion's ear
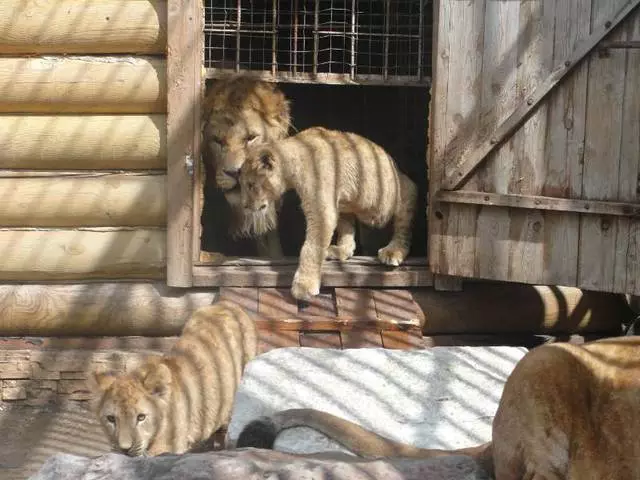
[266, 160]
[156, 379]
[100, 380]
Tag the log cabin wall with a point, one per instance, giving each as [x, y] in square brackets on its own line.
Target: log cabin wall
[83, 144]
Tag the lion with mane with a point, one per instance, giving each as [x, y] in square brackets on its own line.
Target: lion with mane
[241, 111]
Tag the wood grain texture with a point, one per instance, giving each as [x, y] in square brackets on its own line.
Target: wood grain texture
[83, 142]
[148, 309]
[626, 274]
[82, 26]
[603, 134]
[94, 200]
[185, 91]
[82, 254]
[568, 152]
[82, 85]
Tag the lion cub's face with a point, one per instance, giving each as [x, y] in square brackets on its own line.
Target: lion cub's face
[260, 183]
[131, 407]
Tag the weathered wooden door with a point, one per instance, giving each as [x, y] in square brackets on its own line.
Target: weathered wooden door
[535, 142]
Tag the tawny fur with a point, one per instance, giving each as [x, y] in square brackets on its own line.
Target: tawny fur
[240, 111]
[567, 412]
[339, 177]
[174, 403]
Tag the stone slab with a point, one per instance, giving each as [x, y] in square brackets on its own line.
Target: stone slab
[253, 465]
[443, 397]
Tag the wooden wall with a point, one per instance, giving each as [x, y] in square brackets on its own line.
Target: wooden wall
[83, 144]
[581, 144]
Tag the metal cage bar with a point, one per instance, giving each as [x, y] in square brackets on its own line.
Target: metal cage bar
[325, 41]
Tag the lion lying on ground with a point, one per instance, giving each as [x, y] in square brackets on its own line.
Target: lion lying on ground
[339, 177]
[175, 402]
[566, 412]
[240, 111]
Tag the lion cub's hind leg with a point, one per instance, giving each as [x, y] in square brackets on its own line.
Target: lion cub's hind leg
[345, 245]
[398, 248]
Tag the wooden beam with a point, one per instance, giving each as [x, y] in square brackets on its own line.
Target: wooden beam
[82, 254]
[468, 163]
[82, 201]
[621, 209]
[83, 27]
[97, 309]
[184, 70]
[83, 142]
[82, 85]
[333, 275]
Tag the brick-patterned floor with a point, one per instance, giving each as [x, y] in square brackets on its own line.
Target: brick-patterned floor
[337, 318]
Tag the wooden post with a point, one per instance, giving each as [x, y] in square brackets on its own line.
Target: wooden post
[184, 81]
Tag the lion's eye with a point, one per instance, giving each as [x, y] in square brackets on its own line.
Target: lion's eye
[250, 138]
[111, 419]
[141, 417]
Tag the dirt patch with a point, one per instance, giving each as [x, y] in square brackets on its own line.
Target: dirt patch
[30, 435]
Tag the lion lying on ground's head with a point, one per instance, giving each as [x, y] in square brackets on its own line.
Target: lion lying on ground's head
[339, 177]
[176, 402]
[240, 111]
[566, 412]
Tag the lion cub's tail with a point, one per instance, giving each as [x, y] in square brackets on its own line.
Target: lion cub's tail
[262, 433]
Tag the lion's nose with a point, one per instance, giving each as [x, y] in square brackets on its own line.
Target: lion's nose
[233, 173]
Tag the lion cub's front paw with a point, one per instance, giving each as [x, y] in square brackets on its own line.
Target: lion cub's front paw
[393, 256]
[340, 252]
[304, 287]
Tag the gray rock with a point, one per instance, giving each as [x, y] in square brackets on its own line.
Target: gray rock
[444, 397]
[250, 464]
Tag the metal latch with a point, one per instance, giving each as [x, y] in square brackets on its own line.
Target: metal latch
[188, 161]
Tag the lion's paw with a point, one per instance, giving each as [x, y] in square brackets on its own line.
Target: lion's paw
[304, 287]
[340, 252]
[392, 256]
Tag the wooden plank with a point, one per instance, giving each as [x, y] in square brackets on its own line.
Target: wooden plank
[538, 202]
[361, 339]
[68, 84]
[564, 148]
[268, 340]
[396, 305]
[83, 26]
[321, 340]
[75, 201]
[455, 114]
[343, 275]
[499, 95]
[467, 163]
[402, 340]
[315, 323]
[80, 254]
[626, 276]
[606, 86]
[358, 260]
[184, 71]
[83, 142]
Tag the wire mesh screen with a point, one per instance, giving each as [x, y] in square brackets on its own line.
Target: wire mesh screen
[333, 41]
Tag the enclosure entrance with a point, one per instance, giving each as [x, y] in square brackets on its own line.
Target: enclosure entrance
[356, 65]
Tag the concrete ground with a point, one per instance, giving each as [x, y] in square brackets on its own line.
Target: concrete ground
[29, 435]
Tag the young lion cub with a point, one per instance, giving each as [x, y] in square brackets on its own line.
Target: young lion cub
[339, 177]
[172, 403]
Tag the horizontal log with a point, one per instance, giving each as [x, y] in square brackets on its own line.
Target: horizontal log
[100, 309]
[82, 85]
[97, 200]
[83, 142]
[78, 254]
[83, 26]
[499, 308]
